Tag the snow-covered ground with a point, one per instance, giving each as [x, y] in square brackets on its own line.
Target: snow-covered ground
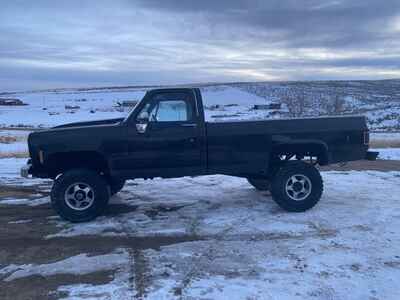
[388, 153]
[225, 239]
[46, 109]
[242, 246]
[385, 136]
[13, 142]
[381, 104]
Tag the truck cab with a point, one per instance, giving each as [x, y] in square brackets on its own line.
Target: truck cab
[165, 136]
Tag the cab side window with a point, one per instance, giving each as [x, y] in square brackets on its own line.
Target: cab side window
[170, 107]
[170, 111]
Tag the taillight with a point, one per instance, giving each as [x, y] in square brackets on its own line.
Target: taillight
[366, 137]
[41, 157]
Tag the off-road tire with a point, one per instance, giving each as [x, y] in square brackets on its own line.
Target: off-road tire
[283, 197]
[261, 184]
[116, 185]
[97, 183]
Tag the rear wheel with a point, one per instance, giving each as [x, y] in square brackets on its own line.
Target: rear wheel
[297, 186]
[80, 195]
[261, 184]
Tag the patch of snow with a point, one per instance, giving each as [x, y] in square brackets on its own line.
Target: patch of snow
[16, 147]
[29, 202]
[47, 109]
[231, 96]
[20, 221]
[118, 289]
[247, 247]
[380, 104]
[13, 141]
[10, 173]
[388, 153]
[77, 265]
[215, 203]
[386, 136]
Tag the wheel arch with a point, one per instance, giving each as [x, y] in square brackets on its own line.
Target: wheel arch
[315, 148]
[60, 162]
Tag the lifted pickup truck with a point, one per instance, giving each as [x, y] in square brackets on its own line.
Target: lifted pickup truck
[166, 136]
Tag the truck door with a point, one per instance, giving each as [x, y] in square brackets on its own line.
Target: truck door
[167, 138]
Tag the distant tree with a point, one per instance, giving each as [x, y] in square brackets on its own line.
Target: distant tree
[338, 101]
[301, 101]
[295, 100]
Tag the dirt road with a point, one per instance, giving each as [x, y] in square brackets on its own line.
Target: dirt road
[32, 239]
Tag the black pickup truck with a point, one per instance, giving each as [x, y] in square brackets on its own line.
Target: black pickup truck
[166, 136]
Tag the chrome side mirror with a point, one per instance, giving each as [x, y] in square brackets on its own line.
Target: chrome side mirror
[141, 127]
[143, 120]
[143, 117]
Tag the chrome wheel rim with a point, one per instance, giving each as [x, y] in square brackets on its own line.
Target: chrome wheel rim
[298, 187]
[79, 196]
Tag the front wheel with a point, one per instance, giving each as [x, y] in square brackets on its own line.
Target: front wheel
[297, 186]
[80, 195]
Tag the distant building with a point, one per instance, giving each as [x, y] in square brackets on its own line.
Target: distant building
[267, 106]
[11, 102]
[72, 107]
[127, 103]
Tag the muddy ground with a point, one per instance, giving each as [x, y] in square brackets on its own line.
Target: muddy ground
[23, 243]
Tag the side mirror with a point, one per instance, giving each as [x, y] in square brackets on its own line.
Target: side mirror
[143, 120]
[143, 117]
[141, 127]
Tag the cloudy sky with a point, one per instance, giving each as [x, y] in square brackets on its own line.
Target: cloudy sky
[47, 44]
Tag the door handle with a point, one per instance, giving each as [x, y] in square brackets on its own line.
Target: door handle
[189, 125]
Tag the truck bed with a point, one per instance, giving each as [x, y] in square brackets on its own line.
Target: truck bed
[236, 141]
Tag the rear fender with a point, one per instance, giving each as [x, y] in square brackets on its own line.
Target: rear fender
[303, 147]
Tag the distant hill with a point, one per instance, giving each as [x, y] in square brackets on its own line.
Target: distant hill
[378, 100]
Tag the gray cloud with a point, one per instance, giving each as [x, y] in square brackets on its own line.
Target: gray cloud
[84, 43]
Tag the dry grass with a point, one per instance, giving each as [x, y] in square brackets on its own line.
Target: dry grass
[7, 139]
[7, 192]
[385, 143]
[19, 154]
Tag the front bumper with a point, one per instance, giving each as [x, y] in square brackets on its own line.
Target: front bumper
[26, 170]
[371, 155]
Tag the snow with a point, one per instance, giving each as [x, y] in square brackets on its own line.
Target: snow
[20, 221]
[227, 194]
[256, 252]
[78, 265]
[235, 102]
[387, 136]
[388, 153]
[13, 141]
[242, 244]
[47, 109]
[10, 172]
[17, 147]
[117, 289]
[29, 202]
[230, 96]
[225, 103]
